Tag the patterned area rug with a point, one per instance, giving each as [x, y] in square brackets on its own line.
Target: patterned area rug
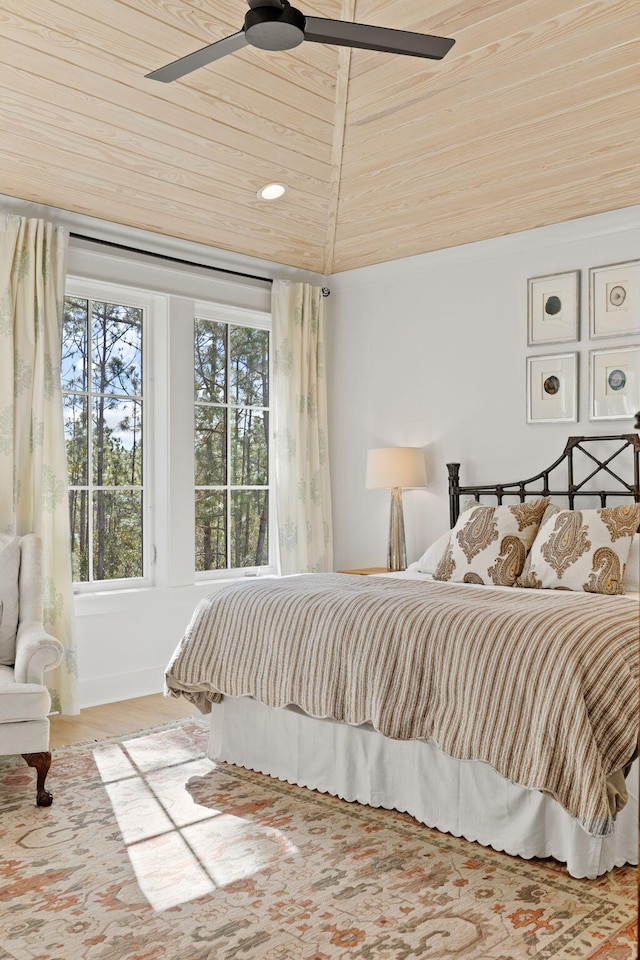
[152, 852]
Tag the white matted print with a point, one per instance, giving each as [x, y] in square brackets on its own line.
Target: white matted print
[614, 383]
[553, 308]
[552, 388]
[614, 300]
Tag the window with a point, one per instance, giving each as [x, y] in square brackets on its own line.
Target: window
[231, 428]
[156, 403]
[102, 382]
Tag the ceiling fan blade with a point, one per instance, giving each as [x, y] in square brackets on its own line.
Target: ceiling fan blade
[199, 58]
[347, 34]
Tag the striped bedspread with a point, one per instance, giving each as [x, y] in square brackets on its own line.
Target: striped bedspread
[543, 685]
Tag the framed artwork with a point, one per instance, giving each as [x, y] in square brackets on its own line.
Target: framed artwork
[553, 308]
[614, 383]
[614, 300]
[552, 388]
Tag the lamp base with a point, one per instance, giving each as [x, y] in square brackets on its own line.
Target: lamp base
[397, 555]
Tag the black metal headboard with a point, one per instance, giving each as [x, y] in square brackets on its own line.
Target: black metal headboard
[627, 448]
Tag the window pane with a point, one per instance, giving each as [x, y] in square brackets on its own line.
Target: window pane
[249, 528]
[75, 355]
[117, 534]
[75, 431]
[211, 530]
[249, 366]
[231, 445]
[249, 447]
[211, 446]
[79, 519]
[117, 442]
[210, 358]
[116, 349]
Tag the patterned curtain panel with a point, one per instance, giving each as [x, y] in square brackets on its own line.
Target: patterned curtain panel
[33, 463]
[303, 492]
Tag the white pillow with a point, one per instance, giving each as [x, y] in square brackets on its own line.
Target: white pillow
[431, 557]
[631, 578]
[9, 569]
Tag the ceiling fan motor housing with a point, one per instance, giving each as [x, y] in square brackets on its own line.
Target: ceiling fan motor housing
[269, 28]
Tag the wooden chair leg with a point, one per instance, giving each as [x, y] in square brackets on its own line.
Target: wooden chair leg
[42, 762]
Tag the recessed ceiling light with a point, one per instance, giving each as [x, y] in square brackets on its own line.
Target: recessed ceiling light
[272, 191]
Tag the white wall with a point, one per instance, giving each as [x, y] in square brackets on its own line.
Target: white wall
[430, 351]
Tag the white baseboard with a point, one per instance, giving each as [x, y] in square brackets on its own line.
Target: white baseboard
[120, 686]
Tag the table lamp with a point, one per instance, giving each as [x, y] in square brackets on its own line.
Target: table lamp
[395, 468]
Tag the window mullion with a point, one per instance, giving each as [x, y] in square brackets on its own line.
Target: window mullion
[90, 441]
[228, 419]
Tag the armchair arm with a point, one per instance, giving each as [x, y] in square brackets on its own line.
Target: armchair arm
[36, 652]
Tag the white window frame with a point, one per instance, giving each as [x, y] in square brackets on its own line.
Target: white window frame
[154, 309]
[237, 316]
[168, 436]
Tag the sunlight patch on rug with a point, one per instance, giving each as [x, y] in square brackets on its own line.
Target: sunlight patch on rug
[153, 852]
[179, 850]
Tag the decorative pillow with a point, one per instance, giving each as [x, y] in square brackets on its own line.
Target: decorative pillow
[582, 549]
[489, 545]
[9, 569]
[430, 559]
[631, 579]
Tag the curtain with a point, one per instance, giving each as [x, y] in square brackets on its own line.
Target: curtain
[303, 493]
[33, 463]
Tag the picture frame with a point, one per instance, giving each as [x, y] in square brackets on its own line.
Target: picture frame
[552, 388]
[553, 313]
[614, 383]
[614, 300]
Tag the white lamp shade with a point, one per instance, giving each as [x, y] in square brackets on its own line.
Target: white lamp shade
[390, 467]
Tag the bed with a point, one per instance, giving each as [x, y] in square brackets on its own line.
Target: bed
[504, 715]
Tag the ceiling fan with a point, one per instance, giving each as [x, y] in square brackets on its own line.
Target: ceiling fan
[276, 25]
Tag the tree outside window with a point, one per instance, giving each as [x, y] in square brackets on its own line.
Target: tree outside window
[231, 365]
[103, 414]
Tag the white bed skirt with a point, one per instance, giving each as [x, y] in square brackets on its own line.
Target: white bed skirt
[465, 798]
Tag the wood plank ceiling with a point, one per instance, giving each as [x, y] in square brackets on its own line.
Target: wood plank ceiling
[532, 118]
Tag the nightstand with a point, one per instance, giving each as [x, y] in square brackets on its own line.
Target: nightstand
[366, 571]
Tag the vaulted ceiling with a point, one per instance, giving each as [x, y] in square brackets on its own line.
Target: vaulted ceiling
[532, 118]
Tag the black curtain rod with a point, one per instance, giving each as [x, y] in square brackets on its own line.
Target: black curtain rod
[164, 256]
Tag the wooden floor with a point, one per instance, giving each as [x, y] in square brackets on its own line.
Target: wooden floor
[115, 719]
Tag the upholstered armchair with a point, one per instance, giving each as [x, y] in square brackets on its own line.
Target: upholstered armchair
[26, 653]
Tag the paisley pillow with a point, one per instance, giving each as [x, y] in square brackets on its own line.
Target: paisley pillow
[489, 545]
[584, 550]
